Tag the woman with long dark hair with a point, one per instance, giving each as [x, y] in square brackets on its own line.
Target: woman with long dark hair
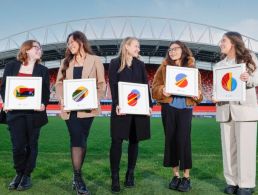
[79, 63]
[127, 68]
[176, 114]
[238, 120]
[24, 125]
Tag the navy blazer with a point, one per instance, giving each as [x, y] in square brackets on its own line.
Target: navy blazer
[39, 118]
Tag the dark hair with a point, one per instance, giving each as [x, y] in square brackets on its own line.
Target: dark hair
[186, 54]
[243, 55]
[22, 55]
[82, 40]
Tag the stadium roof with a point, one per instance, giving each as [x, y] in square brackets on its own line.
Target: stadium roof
[106, 33]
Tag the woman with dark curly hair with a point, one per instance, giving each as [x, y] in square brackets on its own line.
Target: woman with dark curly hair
[176, 114]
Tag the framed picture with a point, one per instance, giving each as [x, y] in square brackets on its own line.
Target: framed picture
[80, 94]
[181, 81]
[227, 84]
[133, 98]
[23, 93]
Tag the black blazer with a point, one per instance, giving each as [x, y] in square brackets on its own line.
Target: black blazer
[120, 125]
[12, 69]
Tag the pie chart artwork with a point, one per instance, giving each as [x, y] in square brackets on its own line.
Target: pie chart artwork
[22, 92]
[181, 80]
[228, 82]
[80, 93]
[133, 97]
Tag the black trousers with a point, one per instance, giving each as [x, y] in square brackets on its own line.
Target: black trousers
[24, 144]
[116, 151]
[177, 128]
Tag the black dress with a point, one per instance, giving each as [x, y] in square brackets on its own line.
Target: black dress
[78, 127]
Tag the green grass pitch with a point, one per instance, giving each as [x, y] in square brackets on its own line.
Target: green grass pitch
[53, 174]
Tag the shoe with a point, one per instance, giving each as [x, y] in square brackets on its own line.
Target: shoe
[25, 183]
[115, 186]
[230, 189]
[185, 185]
[129, 178]
[244, 191]
[175, 181]
[79, 185]
[15, 182]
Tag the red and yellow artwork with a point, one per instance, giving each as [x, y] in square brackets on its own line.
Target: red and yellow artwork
[133, 97]
[22, 92]
[228, 82]
[181, 80]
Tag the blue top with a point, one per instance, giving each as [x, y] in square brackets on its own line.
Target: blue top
[179, 103]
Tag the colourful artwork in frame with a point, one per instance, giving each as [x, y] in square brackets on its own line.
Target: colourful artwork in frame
[227, 85]
[133, 98]
[23, 93]
[181, 81]
[80, 94]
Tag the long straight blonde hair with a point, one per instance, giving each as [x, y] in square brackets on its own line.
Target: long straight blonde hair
[123, 53]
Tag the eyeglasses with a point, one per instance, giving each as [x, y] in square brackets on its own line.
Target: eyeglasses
[37, 47]
[174, 49]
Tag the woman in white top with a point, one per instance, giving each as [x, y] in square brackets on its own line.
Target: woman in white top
[238, 120]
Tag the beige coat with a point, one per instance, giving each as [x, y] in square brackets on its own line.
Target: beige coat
[244, 110]
[92, 68]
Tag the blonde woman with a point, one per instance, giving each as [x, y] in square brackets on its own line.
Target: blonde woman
[127, 68]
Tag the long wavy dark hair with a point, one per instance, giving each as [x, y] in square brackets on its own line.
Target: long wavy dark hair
[82, 40]
[186, 54]
[243, 55]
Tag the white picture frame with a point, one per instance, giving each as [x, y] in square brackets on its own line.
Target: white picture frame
[227, 84]
[80, 94]
[181, 81]
[133, 98]
[23, 93]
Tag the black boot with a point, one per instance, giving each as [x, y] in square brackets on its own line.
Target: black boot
[15, 182]
[115, 186]
[78, 184]
[25, 183]
[129, 178]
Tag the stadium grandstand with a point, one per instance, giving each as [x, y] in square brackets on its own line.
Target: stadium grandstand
[105, 35]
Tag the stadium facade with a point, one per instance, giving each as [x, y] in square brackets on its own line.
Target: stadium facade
[105, 35]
